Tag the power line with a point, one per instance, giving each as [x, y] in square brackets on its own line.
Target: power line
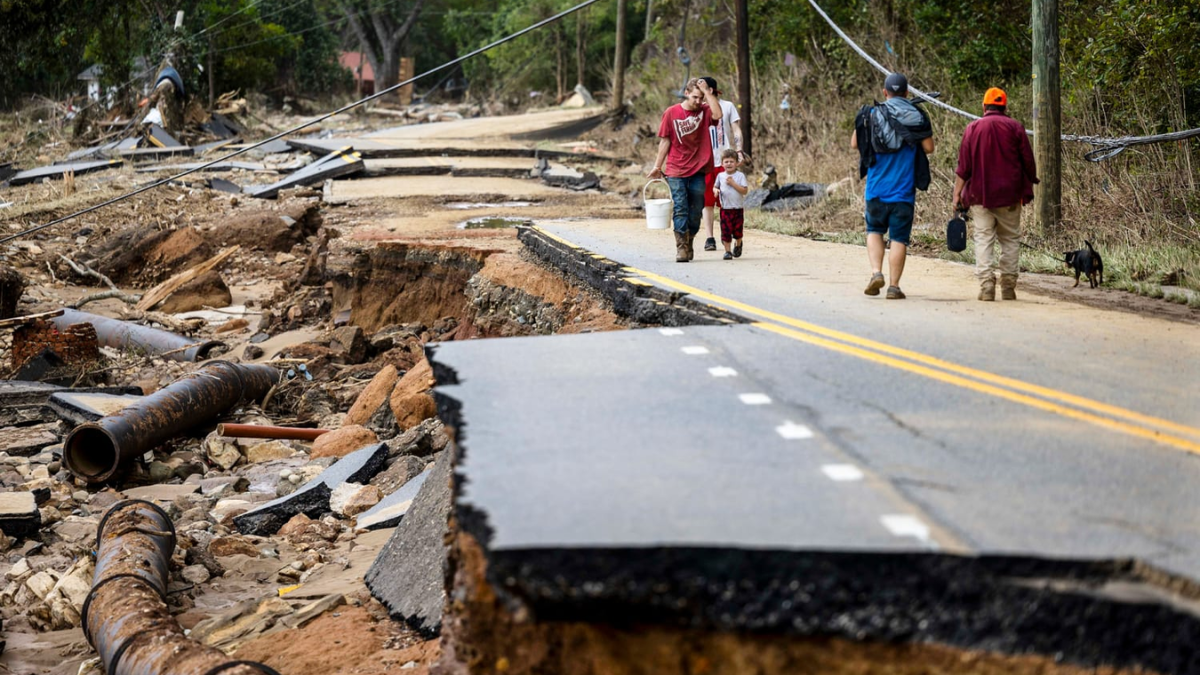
[1103, 147]
[250, 6]
[305, 125]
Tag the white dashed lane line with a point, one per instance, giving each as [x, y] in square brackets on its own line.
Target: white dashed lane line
[792, 431]
[906, 526]
[722, 371]
[755, 399]
[842, 472]
[670, 331]
[694, 350]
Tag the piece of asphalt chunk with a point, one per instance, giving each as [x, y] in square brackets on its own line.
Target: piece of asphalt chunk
[19, 516]
[409, 574]
[392, 509]
[312, 499]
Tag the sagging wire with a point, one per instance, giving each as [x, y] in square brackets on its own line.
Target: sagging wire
[1103, 148]
[305, 125]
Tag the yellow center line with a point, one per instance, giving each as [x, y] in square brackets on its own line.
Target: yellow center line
[1026, 387]
[1143, 432]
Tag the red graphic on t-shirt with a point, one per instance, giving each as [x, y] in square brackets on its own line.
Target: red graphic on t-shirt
[687, 125]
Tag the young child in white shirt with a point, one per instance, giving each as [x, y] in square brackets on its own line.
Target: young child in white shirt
[730, 188]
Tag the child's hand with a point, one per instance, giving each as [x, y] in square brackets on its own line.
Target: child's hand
[728, 179]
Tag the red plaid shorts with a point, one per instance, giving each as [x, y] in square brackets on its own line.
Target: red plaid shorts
[731, 224]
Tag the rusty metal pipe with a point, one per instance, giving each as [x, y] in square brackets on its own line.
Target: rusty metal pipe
[125, 615]
[125, 335]
[267, 431]
[95, 450]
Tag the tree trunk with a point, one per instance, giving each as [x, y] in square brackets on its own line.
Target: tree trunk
[580, 46]
[649, 19]
[560, 58]
[618, 90]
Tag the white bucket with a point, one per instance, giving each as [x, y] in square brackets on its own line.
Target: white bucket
[658, 211]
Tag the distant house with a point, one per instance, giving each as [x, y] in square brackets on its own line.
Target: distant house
[143, 72]
[364, 75]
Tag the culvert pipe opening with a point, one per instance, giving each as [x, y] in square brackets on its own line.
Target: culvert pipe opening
[90, 451]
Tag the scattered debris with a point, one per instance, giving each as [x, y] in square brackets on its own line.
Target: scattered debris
[312, 499]
[336, 164]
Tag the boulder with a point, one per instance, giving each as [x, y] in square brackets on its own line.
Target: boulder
[208, 289]
[375, 395]
[233, 545]
[221, 451]
[411, 401]
[351, 499]
[341, 442]
[265, 452]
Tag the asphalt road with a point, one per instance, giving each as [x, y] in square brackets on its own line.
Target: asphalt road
[838, 421]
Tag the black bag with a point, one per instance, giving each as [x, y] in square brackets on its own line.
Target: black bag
[956, 234]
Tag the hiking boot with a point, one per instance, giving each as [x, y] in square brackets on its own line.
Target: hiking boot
[987, 290]
[894, 293]
[875, 284]
[737, 249]
[681, 252]
[710, 244]
[1008, 287]
[691, 246]
[728, 256]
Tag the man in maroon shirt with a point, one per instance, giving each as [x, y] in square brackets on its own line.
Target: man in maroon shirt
[685, 156]
[996, 175]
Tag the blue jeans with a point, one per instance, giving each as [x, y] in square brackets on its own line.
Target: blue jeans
[688, 195]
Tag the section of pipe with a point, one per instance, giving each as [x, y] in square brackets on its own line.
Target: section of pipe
[95, 450]
[125, 335]
[267, 431]
[125, 615]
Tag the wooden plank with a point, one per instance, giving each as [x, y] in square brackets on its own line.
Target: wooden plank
[22, 320]
[165, 289]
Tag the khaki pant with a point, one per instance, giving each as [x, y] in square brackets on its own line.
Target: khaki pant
[1004, 224]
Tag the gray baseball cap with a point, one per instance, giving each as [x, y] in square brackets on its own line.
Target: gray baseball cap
[897, 84]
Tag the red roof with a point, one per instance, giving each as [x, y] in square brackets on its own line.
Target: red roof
[351, 61]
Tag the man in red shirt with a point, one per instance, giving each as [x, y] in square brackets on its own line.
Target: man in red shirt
[685, 156]
[996, 175]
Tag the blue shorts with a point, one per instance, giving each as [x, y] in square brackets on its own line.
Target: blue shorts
[894, 219]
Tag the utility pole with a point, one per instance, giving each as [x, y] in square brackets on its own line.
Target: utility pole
[618, 90]
[1047, 117]
[742, 14]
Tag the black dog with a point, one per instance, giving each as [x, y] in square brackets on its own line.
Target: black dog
[1086, 261]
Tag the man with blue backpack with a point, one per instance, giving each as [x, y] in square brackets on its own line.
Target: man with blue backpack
[892, 139]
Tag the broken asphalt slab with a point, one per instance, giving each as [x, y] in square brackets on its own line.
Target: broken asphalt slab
[751, 542]
[19, 515]
[392, 509]
[57, 170]
[28, 441]
[219, 166]
[312, 498]
[409, 575]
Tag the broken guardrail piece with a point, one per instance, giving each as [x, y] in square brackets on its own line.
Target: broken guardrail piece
[125, 615]
[124, 335]
[94, 451]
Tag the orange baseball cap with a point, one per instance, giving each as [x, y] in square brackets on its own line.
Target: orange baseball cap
[995, 96]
